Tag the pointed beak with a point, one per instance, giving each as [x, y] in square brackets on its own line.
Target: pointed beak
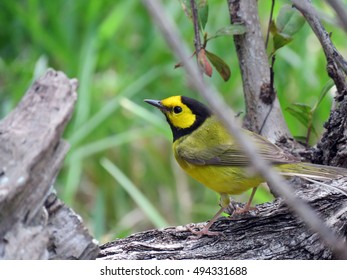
[156, 103]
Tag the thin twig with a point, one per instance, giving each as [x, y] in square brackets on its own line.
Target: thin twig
[340, 10]
[226, 115]
[331, 53]
[269, 24]
[197, 40]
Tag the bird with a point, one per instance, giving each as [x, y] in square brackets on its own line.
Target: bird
[207, 152]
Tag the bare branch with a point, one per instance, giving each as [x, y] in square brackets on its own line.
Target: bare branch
[335, 61]
[226, 115]
[269, 24]
[197, 40]
[340, 10]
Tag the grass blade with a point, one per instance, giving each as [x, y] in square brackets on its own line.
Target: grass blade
[154, 216]
[91, 124]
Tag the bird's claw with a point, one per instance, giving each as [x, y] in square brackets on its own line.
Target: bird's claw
[205, 231]
[243, 210]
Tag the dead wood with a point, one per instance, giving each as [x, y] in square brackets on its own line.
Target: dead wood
[273, 233]
[34, 224]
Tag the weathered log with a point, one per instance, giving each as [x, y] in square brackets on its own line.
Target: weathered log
[273, 233]
[34, 224]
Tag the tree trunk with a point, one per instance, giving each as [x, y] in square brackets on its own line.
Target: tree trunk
[34, 224]
[263, 111]
[273, 233]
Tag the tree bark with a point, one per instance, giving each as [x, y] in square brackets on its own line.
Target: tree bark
[263, 111]
[331, 149]
[34, 224]
[273, 233]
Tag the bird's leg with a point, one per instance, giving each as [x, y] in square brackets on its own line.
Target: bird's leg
[205, 230]
[224, 202]
[247, 207]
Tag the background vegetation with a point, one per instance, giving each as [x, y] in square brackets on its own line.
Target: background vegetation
[120, 174]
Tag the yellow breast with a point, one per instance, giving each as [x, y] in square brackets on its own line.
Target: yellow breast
[222, 179]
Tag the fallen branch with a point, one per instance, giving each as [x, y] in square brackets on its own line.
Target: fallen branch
[273, 233]
[34, 224]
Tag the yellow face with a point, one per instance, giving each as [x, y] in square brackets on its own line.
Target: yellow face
[178, 113]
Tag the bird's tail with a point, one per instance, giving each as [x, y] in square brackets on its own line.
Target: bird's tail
[314, 173]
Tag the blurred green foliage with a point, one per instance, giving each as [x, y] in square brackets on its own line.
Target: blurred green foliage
[118, 143]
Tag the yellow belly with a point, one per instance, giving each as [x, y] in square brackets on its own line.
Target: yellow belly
[222, 179]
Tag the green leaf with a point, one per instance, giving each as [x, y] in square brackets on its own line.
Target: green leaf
[323, 93]
[202, 7]
[303, 113]
[222, 68]
[302, 107]
[289, 21]
[230, 30]
[185, 4]
[273, 28]
[281, 40]
[203, 13]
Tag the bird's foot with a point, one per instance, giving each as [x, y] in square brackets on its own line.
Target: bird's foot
[246, 209]
[203, 232]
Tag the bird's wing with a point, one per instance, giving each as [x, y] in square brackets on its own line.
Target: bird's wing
[231, 154]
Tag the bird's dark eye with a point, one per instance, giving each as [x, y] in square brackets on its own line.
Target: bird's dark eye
[177, 109]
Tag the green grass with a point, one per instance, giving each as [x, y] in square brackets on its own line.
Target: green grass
[120, 174]
[140, 199]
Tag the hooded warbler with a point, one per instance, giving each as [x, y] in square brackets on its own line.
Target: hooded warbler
[209, 154]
